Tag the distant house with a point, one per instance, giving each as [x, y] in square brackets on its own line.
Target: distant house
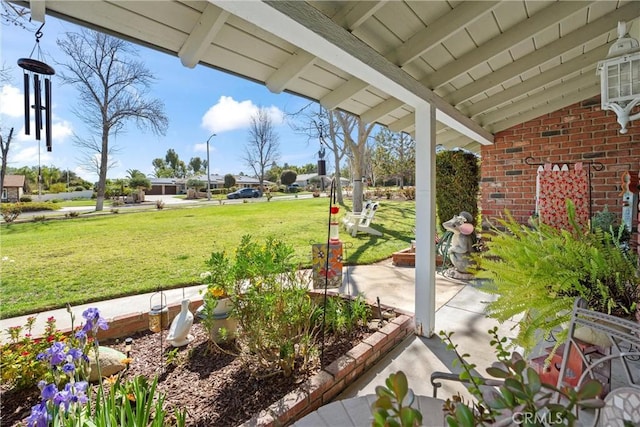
[162, 186]
[304, 180]
[14, 187]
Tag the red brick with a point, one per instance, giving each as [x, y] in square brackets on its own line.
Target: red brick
[333, 391]
[377, 339]
[317, 385]
[290, 406]
[340, 367]
[360, 352]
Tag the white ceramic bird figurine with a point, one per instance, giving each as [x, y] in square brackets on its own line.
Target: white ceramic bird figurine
[180, 327]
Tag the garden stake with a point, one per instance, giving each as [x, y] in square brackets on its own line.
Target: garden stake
[379, 312]
[332, 199]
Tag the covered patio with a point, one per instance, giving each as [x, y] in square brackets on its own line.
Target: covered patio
[450, 74]
[505, 79]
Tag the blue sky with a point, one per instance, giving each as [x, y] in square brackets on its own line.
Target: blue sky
[198, 102]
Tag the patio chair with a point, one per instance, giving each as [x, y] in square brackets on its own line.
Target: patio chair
[364, 223]
[352, 217]
[595, 341]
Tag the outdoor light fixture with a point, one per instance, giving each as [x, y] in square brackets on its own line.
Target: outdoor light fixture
[620, 77]
[127, 346]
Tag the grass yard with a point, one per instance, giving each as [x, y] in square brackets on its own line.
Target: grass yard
[48, 264]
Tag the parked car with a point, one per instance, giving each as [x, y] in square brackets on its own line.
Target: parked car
[244, 193]
[293, 188]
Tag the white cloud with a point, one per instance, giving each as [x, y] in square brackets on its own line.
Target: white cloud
[11, 101]
[27, 154]
[202, 148]
[60, 133]
[229, 114]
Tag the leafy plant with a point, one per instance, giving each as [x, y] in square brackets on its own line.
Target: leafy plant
[390, 409]
[538, 272]
[457, 183]
[343, 315]
[67, 399]
[608, 223]
[265, 289]
[521, 399]
[10, 211]
[19, 364]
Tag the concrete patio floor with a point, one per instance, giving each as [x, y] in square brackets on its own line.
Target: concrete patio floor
[459, 309]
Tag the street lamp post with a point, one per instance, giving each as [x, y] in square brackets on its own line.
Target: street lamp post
[209, 170]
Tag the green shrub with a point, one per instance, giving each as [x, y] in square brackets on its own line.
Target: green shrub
[538, 272]
[10, 211]
[343, 315]
[19, 366]
[79, 188]
[25, 199]
[522, 393]
[266, 289]
[409, 193]
[457, 184]
[288, 177]
[58, 187]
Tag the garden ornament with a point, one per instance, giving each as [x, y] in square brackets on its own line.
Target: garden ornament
[180, 327]
[462, 241]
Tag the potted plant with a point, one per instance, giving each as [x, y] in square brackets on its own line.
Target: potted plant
[216, 311]
[538, 271]
[522, 398]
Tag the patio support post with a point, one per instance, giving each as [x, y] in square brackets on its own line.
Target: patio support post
[425, 276]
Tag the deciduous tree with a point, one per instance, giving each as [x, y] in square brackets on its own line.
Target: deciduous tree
[262, 149]
[113, 89]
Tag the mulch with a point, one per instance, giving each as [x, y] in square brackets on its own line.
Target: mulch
[215, 387]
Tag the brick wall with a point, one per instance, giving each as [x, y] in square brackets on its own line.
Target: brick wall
[579, 132]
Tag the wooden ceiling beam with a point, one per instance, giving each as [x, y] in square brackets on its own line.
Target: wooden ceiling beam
[603, 25]
[385, 107]
[523, 30]
[551, 106]
[290, 70]
[348, 89]
[585, 62]
[540, 98]
[204, 31]
[446, 26]
[355, 13]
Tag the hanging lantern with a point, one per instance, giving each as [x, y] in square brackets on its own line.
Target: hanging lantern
[158, 313]
[620, 78]
[39, 73]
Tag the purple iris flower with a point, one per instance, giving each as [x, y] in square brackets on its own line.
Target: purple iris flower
[39, 416]
[93, 320]
[69, 368]
[75, 353]
[49, 391]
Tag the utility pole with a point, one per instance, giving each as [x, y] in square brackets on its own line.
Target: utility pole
[209, 169]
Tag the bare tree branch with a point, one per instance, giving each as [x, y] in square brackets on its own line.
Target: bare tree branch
[263, 146]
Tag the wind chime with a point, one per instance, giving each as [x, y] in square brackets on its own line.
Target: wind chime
[38, 72]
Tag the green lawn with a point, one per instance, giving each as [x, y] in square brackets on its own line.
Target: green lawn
[49, 264]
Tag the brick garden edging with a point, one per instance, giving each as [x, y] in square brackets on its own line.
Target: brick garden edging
[322, 387]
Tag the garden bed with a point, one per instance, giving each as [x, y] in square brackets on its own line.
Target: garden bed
[217, 389]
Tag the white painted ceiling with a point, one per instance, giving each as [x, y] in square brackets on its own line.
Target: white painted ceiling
[487, 64]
